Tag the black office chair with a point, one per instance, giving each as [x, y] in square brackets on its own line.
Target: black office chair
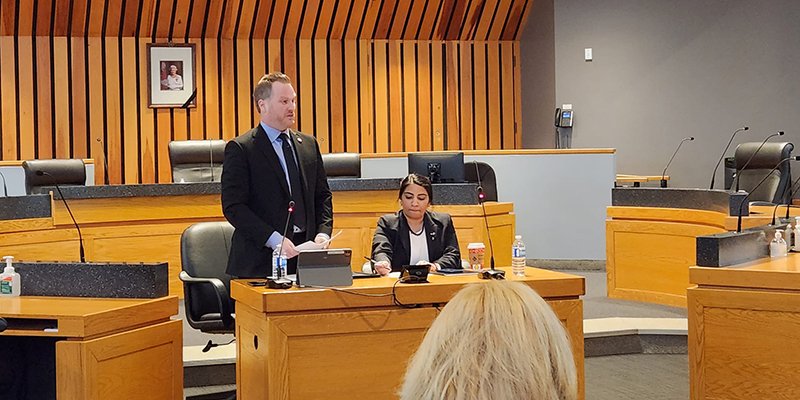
[64, 172]
[776, 188]
[196, 160]
[206, 286]
[488, 179]
[342, 165]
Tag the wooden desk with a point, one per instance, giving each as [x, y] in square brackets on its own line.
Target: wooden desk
[649, 249]
[319, 343]
[148, 229]
[105, 348]
[744, 326]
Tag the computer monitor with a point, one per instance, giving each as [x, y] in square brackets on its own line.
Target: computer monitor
[439, 167]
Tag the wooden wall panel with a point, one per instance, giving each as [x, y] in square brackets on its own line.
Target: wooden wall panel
[371, 76]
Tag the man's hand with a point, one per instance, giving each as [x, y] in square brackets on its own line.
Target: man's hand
[288, 249]
[320, 238]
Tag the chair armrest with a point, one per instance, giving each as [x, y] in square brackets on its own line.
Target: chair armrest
[219, 290]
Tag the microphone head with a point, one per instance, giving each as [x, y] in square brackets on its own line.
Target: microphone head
[745, 128]
[291, 206]
[691, 137]
[780, 133]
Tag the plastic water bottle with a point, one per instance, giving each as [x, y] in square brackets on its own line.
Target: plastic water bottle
[278, 263]
[518, 256]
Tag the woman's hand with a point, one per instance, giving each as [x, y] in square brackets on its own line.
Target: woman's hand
[432, 267]
[383, 267]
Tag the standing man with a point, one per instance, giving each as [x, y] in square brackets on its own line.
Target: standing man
[265, 169]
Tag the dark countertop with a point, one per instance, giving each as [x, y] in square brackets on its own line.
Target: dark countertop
[444, 193]
[695, 199]
[24, 207]
[38, 206]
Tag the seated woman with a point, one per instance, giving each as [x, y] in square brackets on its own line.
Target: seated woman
[415, 235]
[493, 340]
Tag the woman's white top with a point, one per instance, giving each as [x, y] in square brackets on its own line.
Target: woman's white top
[419, 247]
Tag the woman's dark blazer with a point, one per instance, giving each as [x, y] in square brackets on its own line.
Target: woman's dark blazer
[391, 242]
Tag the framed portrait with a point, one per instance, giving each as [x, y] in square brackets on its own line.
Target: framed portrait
[171, 72]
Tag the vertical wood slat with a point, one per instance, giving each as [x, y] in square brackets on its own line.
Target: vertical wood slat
[517, 98]
[437, 83]
[244, 87]
[424, 94]
[113, 126]
[61, 101]
[196, 121]
[147, 154]
[79, 123]
[395, 133]
[480, 93]
[27, 128]
[8, 94]
[381, 95]
[493, 80]
[452, 115]
[466, 106]
[95, 105]
[367, 108]
[303, 84]
[211, 99]
[337, 98]
[45, 122]
[352, 96]
[321, 93]
[507, 110]
[226, 94]
[130, 129]
[410, 97]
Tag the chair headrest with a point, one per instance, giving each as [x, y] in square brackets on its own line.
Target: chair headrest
[766, 158]
[196, 152]
[60, 172]
[342, 164]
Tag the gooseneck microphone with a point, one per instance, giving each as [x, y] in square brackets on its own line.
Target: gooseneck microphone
[736, 178]
[491, 272]
[280, 282]
[767, 175]
[664, 174]
[189, 101]
[105, 161]
[74, 222]
[727, 146]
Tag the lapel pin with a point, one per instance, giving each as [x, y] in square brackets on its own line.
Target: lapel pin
[299, 139]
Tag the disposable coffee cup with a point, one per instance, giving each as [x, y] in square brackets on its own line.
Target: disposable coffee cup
[476, 253]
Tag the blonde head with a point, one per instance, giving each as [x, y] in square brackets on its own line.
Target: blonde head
[493, 340]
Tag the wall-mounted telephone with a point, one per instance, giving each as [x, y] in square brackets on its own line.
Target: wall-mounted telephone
[563, 118]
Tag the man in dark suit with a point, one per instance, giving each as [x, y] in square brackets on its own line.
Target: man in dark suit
[265, 169]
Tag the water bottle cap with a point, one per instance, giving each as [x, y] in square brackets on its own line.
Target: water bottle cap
[518, 237]
[778, 235]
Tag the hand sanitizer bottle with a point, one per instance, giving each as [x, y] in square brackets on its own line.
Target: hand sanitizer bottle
[9, 279]
[777, 247]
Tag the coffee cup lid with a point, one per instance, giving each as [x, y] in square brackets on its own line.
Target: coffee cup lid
[477, 245]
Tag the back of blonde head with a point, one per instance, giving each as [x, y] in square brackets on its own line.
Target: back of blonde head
[493, 340]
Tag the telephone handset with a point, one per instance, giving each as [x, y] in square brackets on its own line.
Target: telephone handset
[563, 118]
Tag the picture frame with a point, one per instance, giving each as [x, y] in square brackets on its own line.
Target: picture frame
[171, 75]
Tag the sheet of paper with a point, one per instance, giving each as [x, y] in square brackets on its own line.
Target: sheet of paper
[309, 245]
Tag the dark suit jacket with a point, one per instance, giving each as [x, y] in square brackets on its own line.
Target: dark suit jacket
[255, 197]
[391, 242]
